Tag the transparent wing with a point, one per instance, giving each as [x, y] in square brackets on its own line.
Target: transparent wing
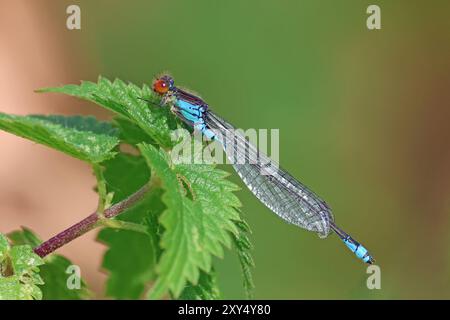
[273, 186]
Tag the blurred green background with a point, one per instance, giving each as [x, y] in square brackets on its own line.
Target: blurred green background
[363, 118]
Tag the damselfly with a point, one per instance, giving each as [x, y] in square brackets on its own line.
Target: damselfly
[273, 186]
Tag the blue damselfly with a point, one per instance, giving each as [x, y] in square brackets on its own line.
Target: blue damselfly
[273, 186]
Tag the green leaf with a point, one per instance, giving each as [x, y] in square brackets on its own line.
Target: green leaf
[124, 175]
[19, 272]
[206, 289]
[195, 230]
[218, 202]
[53, 272]
[24, 236]
[129, 132]
[183, 255]
[216, 194]
[123, 99]
[80, 123]
[24, 259]
[4, 247]
[130, 261]
[128, 280]
[243, 246]
[11, 288]
[81, 137]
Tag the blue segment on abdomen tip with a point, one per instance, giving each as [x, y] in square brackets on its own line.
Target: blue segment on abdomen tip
[352, 246]
[361, 252]
[357, 249]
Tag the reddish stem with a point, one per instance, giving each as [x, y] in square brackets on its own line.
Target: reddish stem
[89, 223]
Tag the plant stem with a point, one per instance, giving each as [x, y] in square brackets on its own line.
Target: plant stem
[101, 188]
[89, 223]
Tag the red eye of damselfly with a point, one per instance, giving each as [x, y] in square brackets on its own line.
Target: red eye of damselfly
[160, 86]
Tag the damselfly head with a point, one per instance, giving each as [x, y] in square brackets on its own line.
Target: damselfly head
[163, 84]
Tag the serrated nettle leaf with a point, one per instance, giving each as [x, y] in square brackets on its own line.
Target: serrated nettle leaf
[19, 272]
[131, 257]
[206, 289]
[36, 278]
[24, 236]
[183, 253]
[243, 247]
[243, 226]
[11, 288]
[24, 259]
[123, 99]
[52, 278]
[4, 247]
[80, 123]
[81, 137]
[130, 262]
[124, 175]
[131, 133]
[195, 229]
[34, 291]
[217, 197]
[55, 276]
